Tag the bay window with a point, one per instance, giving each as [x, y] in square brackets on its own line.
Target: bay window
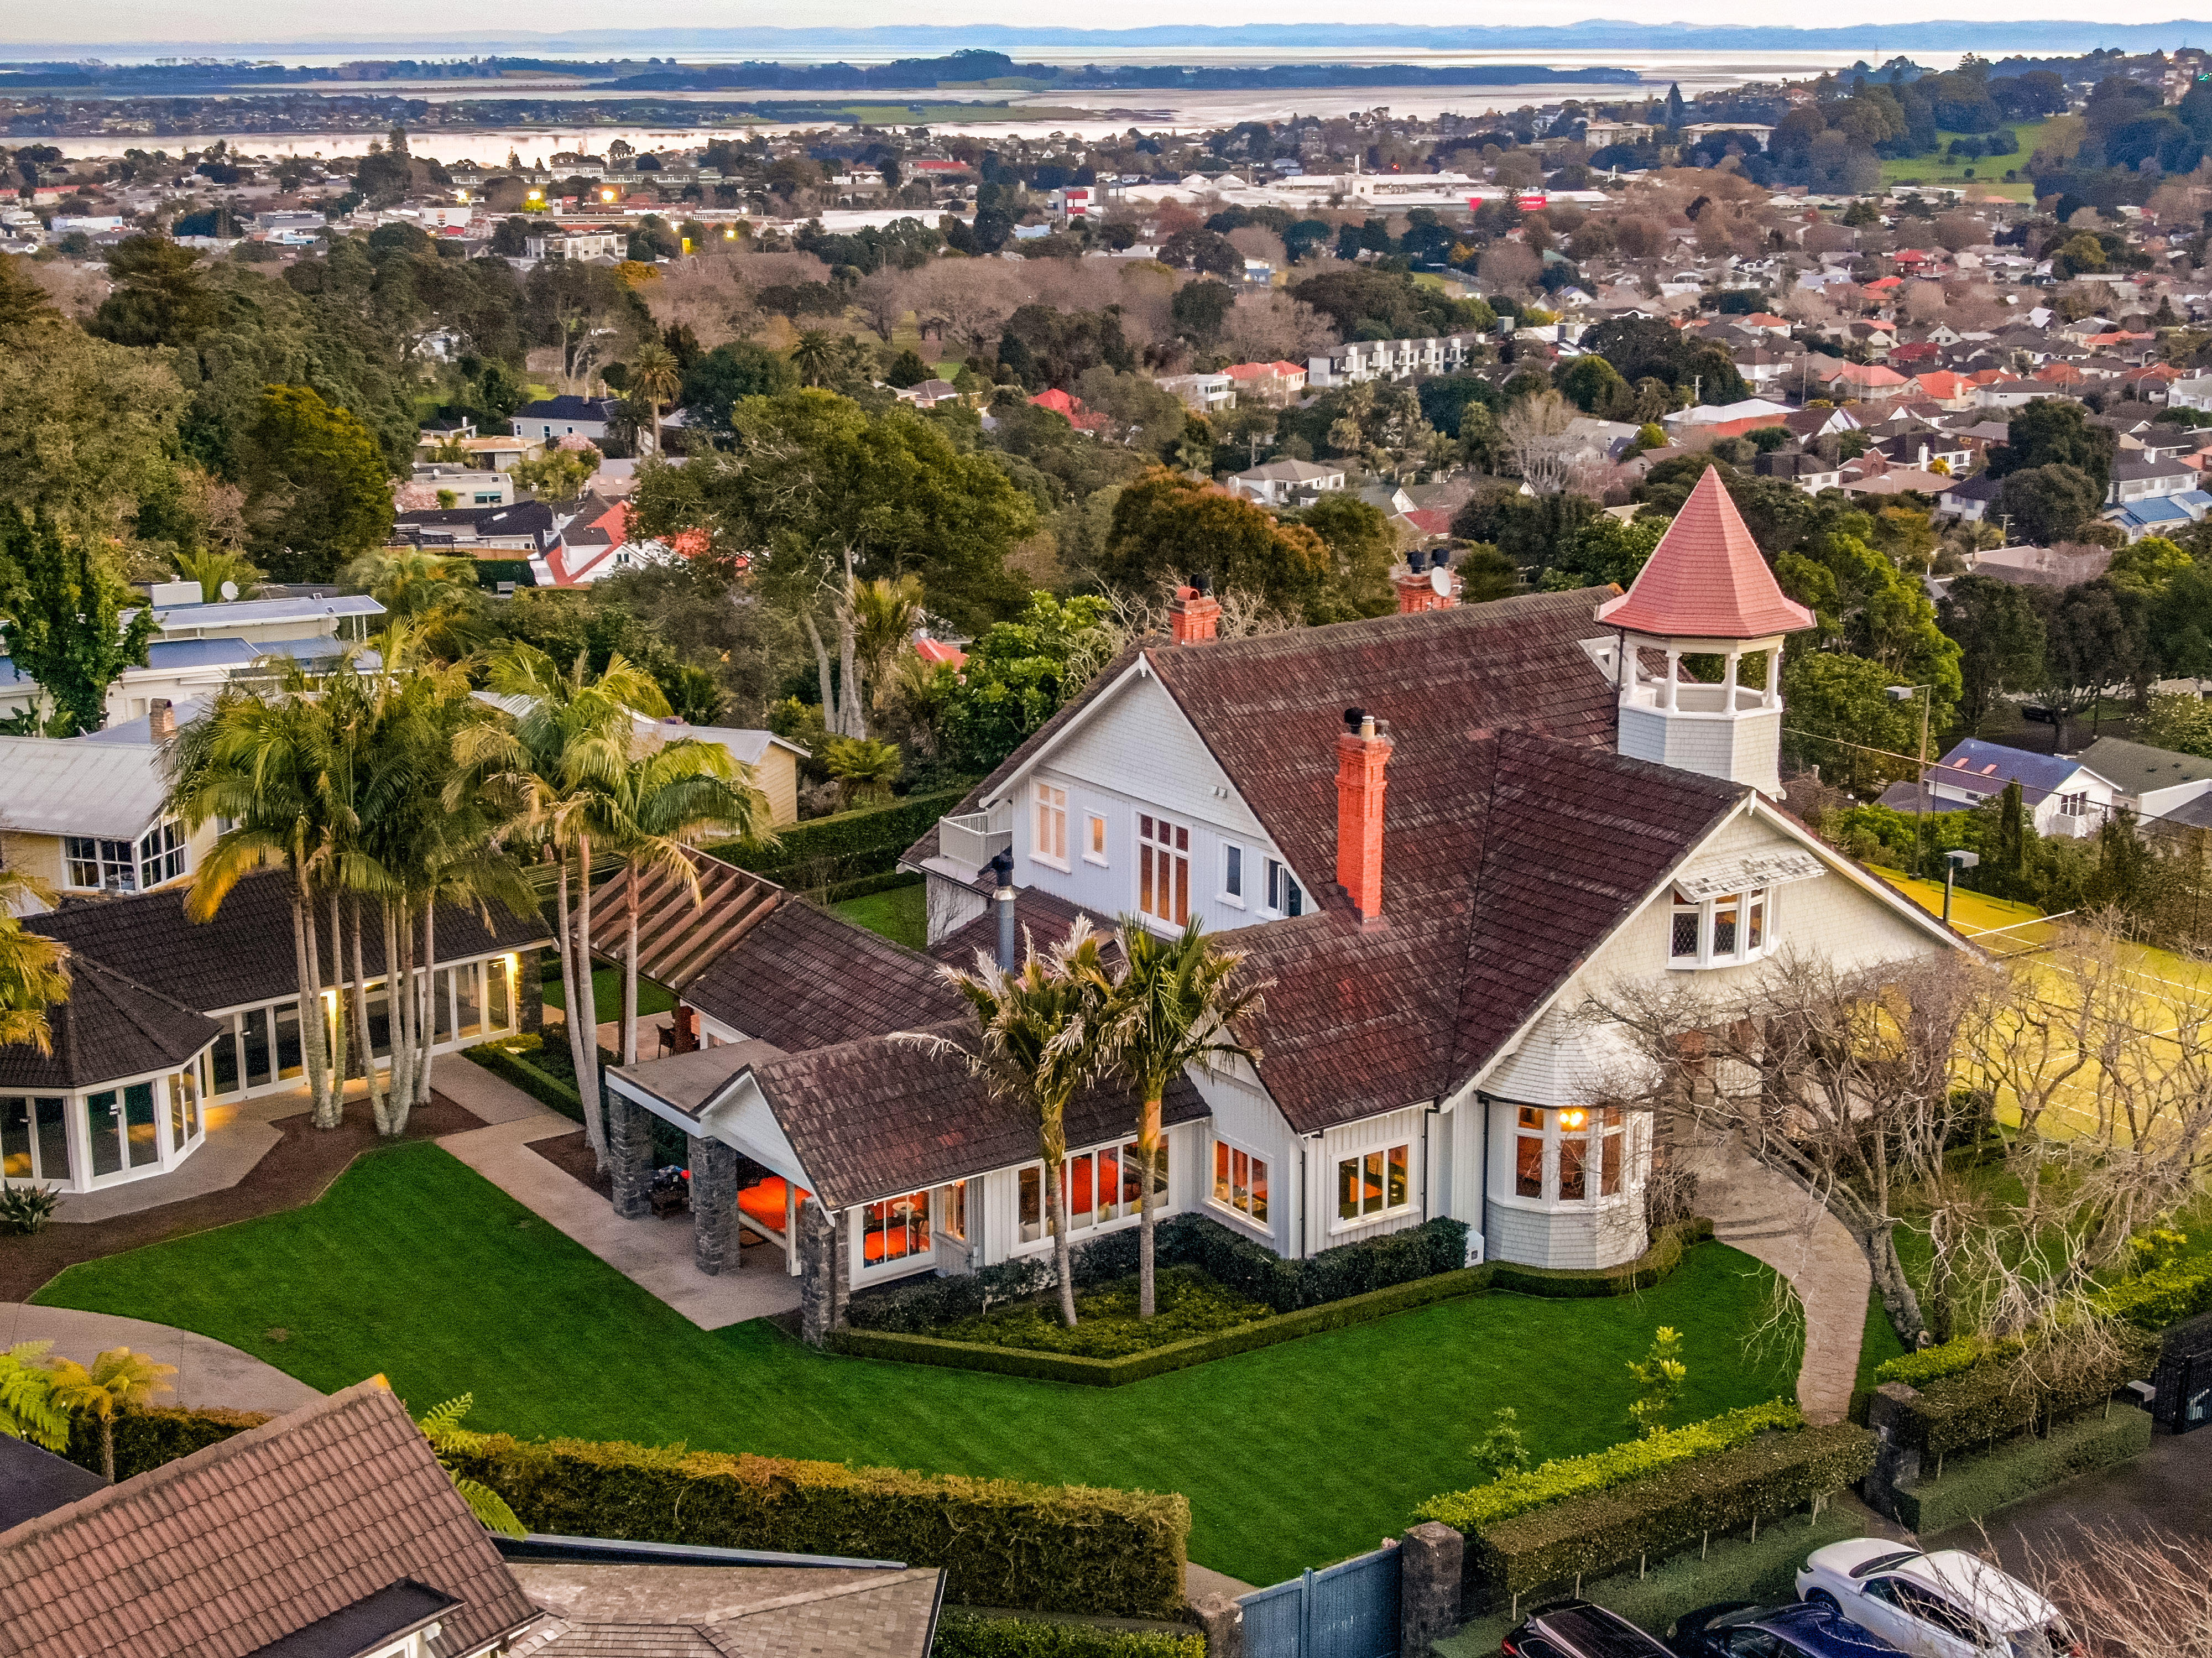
[97, 865]
[1720, 931]
[1050, 845]
[1096, 1187]
[1240, 1182]
[1574, 1154]
[1374, 1183]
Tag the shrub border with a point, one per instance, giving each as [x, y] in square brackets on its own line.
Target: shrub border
[1974, 1487]
[1648, 1269]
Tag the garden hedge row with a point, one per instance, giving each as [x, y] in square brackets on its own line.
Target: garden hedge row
[866, 885]
[2007, 1393]
[2165, 1296]
[1001, 1542]
[1661, 1512]
[968, 1634]
[511, 1067]
[844, 845]
[1974, 1486]
[1951, 1357]
[1617, 1465]
[146, 1438]
[892, 1323]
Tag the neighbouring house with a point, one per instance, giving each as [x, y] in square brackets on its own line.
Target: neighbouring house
[553, 418]
[1808, 472]
[469, 486]
[331, 1532]
[524, 529]
[1267, 385]
[929, 393]
[2041, 567]
[1728, 419]
[1396, 360]
[1071, 410]
[169, 1017]
[1970, 499]
[1840, 380]
[1437, 834]
[2169, 515]
[576, 245]
[774, 760]
[85, 814]
[2061, 795]
[2136, 479]
[2151, 783]
[500, 454]
[1287, 482]
[1202, 394]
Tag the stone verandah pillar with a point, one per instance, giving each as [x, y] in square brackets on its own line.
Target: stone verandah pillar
[714, 1206]
[629, 1154]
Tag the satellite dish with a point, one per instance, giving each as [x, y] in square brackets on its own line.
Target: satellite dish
[229, 590]
[1440, 582]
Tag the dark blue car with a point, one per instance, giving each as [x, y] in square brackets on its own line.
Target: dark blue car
[1742, 1629]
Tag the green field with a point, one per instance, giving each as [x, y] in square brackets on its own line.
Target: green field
[606, 994]
[900, 914]
[414, 1266]
[1989, 170]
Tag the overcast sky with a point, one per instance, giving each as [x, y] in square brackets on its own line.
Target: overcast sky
[94, 22]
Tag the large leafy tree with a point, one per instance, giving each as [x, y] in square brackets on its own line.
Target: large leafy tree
[317, 490]
[62, 619]
[162, 294]
[88, 430]
[1018, 675]
[117, 1380]
[816, 492]
[2048, 503]
[1362, 548]
[1843, 720]
[1167, 526]
[2097, 644]
[2055, 432]
[1999, 633]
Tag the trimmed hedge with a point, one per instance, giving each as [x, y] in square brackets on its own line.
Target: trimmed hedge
[1556, 1282]
[1616, 1465]
[2000, 1397]
[970, 1635]
[1002, 1542]
[510, 1066]
[1948, 1358]
[1158, 1360]
[822, 851]
[146, 1438]
[921, 1305]
[1974, 1486]
[2166, 1295]
[893, 1323]
[868, 885]
[1663, 1511]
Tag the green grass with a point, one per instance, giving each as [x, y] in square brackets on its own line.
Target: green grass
[900, 914]
[606, 995]
[1298, 1454]
[1880, 1344]
[1989, 170]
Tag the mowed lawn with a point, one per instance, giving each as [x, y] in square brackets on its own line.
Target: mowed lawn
[900, 914]
[607, 994]
[414, 1266]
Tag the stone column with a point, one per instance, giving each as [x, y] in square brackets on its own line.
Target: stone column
[629, 1153]
[1895, 1464]
[820, 1309]
[1430, 1558]
[529, 989]
[714, 1206]
[1222, 1623]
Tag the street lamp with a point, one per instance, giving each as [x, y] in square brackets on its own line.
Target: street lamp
[1952, 863]
[1905, 693]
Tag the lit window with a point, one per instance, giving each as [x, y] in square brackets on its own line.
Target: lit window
[1528, 1154]
[1163, 870]
[1374, 1183]
[1591, 1157]
[1094, 839]
[1285, 896]
[1240, 1181]
[1099, 1186]
[1721, 931]
[895, 1230]
[1051, 843]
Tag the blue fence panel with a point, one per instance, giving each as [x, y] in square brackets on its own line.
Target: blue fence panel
[1346, 1610]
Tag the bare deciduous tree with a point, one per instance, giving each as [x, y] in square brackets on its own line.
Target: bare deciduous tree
[1534, 431]
[1267, 326]
[2127, 1595]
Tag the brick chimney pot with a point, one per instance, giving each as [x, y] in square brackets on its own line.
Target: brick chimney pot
[1195, 616]
[161, 720]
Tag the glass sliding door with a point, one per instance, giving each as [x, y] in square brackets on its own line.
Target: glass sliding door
[289, 1062]
[497, 1001]
[142, 1139]
[258, 1055]
[227, 1079]
[379, 1021]
[441, 1003]
[469, 1001]
[15, 1137]
[104, 1110]
[49, 1139]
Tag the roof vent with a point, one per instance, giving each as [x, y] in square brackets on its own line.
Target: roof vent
[1417, 560]
[1352, 718]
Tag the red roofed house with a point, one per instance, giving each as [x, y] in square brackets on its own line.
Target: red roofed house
[1082, 419]
[935, 651]
[1940, 385]
[1436, 833]
[594, 543]
[1858, 380]
[1269, 384]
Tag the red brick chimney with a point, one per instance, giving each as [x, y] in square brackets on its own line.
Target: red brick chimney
[1194, 615]
[1418, 587]
[161, 719]
[1362, 751]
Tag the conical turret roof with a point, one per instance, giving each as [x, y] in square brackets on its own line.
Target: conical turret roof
[1706, 579]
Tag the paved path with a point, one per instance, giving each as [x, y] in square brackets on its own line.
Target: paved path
[654, 1254]
[2164, 1490]
[210, 1373]
[1771, 1218]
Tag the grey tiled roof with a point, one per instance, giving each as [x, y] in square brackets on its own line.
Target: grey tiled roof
[804, 978]
[107, 1029]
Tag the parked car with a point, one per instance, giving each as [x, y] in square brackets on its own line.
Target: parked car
[1579, 1629]
[1945, 1605]
[1744, 1629]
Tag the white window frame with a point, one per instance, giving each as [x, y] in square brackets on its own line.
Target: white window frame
[1339, 1222]
[911, 1260]
[1095, 843]
[1049, 825]
[1229, 1205]
[171, 859]
[1235, 856]
[1128, 1209]
[113, 864]
[1143, 843]
[1272, 899]
[1587, 1126]
[1754, 906]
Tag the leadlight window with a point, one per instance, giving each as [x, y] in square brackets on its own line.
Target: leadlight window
[1721, 931]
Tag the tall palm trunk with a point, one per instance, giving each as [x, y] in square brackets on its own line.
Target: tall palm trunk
[432, 990]
[339, 1021]
[1148, 1158]
[399, 1001]
[584, 1010]
[1054, 1147]
[629, 980]
[362, 1036]
[565, 939]
[313, 1050]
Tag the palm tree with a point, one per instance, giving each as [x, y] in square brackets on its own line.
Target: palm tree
[864, 767]
[816, 357]
[118, 1379]
[1045, 1031]
[885, 613]
[34, 975]
[542, 773]
[441, 1426]
[27, 1408]
[1177, 1006]
[661, 804]
[657, 378]
[211, 566]
[437, 596]
[256, 758]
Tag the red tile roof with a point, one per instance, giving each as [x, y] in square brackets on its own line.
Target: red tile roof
[1706, 579]
[222, 1552]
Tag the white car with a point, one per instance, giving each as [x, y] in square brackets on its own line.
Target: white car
[1945, 1605]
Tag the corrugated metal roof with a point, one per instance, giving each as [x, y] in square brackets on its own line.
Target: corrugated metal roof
[79, 789]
